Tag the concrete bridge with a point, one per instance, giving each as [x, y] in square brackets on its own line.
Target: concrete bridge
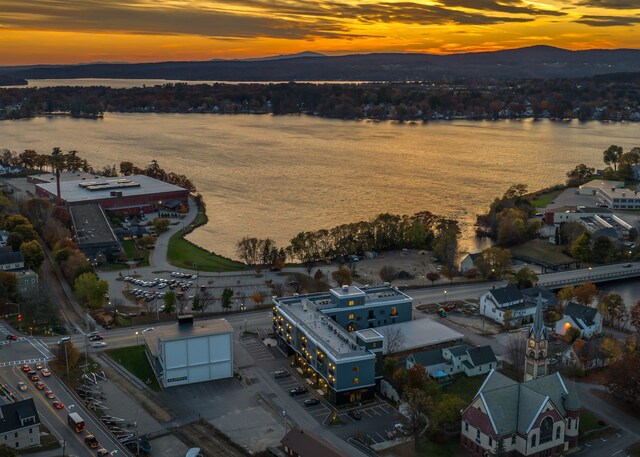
[596, 275]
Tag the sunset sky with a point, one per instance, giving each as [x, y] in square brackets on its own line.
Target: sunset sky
[73, 31]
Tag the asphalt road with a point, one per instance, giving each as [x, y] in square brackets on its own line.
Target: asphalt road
[31, 350]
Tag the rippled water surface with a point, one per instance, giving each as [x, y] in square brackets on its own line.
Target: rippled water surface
[270, 176]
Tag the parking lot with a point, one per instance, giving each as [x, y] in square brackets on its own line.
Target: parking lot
[374, 423]
[182, 284]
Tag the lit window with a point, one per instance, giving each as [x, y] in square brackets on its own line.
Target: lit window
[356, 380]
[351, 302]
[394, 311]
[351, 316]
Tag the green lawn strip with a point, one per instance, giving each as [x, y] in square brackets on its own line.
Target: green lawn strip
[545, 199]
[589, 422]
[541, 250]
[135, 361]
[431, 449]
[129, 247]
[184, 254]
[464, 387]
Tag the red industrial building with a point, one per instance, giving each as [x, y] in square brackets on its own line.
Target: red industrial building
[129, 194]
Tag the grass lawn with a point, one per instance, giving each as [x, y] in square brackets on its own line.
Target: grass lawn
[465, 387]
[541, 250]
[588, 422]
[129, 247]
[544, 199]
[135, 361]
[183, 254]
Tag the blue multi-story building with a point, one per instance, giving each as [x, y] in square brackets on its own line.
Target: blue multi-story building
[332, 336]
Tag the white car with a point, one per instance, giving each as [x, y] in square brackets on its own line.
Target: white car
[98, 344]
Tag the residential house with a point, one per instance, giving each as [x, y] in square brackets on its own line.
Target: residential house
[505, 304]
[11, 261]
[19, 424]
[299, 443]
[584, 318]
[27, 281]
[467, 263]
[471, 361]
[585, 354]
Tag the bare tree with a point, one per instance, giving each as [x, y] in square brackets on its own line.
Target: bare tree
[388, 273]
[206, 299]
[418, 406]
[394, 339]
[516, 350]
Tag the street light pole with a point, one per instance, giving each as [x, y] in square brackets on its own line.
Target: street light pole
[445, 297]
[137, 341]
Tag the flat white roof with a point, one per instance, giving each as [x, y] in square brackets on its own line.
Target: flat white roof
[420, 333]
[79, 190]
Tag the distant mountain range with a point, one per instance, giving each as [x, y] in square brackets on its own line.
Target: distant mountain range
[530, 62]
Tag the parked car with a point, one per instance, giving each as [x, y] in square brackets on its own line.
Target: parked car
[300, 390]
[281, 374]
[311, 402]
[22, 386]
[355, 415]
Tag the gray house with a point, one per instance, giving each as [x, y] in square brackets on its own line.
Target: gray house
[471, 361]
[19, 424]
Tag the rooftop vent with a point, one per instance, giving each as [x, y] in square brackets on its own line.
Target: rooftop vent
[345, 287]
[185, 320]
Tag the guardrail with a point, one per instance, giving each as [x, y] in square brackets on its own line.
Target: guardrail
[592, 277]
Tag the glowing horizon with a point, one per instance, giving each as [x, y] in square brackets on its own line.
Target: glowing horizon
[83, 31]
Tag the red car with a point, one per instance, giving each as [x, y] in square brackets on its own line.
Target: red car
[12, 337]
[35, 377]
[40, 385]
[26, 368]
[57, 404]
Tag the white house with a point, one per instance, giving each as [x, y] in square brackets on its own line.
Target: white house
[517, 305]
[191, 352]
[465, 359]
[467, 262]
[584, 318]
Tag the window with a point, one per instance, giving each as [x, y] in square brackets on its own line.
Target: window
[490, 441]
[351, 316]
[15, 434]
[356, 369]
[478, 435]
[30, 430]
[466, 426]
[351, 302]
[558, 432]
[533, 440]
[569, 424]
[546, 430]
[394, 311]
[356, 380]
[513, 439]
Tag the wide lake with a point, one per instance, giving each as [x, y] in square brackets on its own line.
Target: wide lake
[269, 176]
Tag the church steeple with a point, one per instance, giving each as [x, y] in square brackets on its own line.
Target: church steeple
[535, 362]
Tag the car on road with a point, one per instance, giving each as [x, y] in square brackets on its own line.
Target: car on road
[40, 385]
[22, 386]
[57, 404]
[96, 338]
[49, 394]
[89, 335]
[355, 415]
[92, 441]
[26, 368]
[300, 390]
[102, 452]
[34, 378]
[98, 344]
[39, 366]
[627, 265]
[45, 372]
[311, 402]
[281, 374]
[31, 372]
[12, 337]
[64, 339]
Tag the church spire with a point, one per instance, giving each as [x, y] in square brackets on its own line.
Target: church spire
[535, 363]
[538, 320]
